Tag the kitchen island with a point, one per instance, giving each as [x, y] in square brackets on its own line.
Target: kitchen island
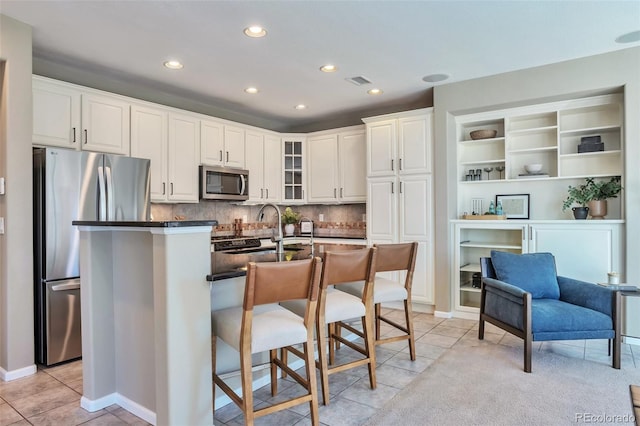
[146, 327]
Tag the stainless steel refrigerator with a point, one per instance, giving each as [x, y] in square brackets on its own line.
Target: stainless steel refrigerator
[67, 186]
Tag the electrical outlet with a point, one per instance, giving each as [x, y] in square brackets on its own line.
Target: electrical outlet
[321, 217]
[1, 225]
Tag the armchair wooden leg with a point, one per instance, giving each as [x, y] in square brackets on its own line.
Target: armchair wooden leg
[527, 353]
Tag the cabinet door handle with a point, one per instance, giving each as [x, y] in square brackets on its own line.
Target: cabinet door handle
[171, 188]
[392, 188]
[401, 187]
[334, 193]
[86, 137]
[164, 187]
[267, 190]
[74, 135]
[340, 192]
[261, 193]
[400, 164]
[227, 156]
[391, 164]
[220, 155]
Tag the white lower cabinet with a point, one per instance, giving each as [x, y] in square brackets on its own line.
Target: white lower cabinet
[584, 250]
[400, 210]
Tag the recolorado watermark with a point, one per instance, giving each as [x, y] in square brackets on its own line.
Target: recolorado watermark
[604, 418]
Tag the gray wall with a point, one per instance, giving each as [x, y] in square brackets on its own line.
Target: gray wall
[581, 77]
[16, 258]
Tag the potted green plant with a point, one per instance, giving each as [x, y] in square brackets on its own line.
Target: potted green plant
[290, 218]
[592, 197]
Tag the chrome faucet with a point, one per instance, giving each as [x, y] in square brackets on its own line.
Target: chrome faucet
[306, 219]
[279, 239]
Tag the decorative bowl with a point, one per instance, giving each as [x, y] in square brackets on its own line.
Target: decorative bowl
[533, 168]
[483, 134]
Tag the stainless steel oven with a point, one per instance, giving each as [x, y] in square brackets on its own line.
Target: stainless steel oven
[224, 183]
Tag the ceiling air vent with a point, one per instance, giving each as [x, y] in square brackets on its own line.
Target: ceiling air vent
[359, 80]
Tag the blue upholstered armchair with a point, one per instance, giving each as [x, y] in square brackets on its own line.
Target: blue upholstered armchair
[522, 294]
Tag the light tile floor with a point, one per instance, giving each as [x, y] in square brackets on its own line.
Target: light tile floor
[52, 396]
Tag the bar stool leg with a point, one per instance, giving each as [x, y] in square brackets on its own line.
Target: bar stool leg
[322, 360]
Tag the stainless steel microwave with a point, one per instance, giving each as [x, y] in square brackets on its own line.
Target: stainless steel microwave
[224, 183]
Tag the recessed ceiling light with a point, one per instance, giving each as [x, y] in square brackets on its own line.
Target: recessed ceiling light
[631, 37]
[434, 78]
[328, 68]
[255, 31]
[251, 90]
[173, 64]
[300, 106]
[374, 92]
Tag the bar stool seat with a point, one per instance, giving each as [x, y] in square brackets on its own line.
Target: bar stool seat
[384, 290]
[273, 327]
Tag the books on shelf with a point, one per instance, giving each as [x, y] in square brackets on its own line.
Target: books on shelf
[533, 175]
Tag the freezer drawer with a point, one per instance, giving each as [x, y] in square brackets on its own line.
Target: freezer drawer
[63, 333]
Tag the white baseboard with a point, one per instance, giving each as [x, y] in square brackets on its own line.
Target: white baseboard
[7, 376]
[442, 314]
[631, 340]
[133, 407]
[467, 315]
[92, 405]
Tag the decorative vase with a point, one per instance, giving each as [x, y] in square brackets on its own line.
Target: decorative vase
[580, 212]
[289, 228]
[597, 209]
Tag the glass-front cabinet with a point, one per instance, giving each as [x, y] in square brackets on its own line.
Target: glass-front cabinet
[294, 170]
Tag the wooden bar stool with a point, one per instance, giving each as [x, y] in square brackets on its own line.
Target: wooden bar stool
[392, 258]
[263, 325]
[335, 307]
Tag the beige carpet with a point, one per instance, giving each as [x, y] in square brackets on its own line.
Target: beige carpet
[485, 385]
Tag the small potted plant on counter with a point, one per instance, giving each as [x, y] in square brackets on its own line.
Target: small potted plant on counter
[592, 197]
[290, 218]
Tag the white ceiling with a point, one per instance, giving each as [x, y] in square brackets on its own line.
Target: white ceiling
[121, 45]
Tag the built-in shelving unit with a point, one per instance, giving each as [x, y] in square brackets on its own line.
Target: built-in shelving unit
[475, 240]
[546, 134]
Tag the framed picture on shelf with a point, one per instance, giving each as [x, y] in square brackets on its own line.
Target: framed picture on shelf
[514, 206]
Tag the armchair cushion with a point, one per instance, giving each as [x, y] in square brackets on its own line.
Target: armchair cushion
[532, 272]
[557, 320]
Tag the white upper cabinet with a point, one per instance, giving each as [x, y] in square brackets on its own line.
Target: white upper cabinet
[56, 114]
[234, 146]
[337, 168]
[222, 145]
[184, 158]
[264, 162]
[293, 182]
[105, 124]
[323, 168]
[67, 116]
[399, 143]
[149, 136]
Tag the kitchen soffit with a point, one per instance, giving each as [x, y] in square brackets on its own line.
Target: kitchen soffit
[120, 46]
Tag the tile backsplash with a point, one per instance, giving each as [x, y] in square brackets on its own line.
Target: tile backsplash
[347, 220]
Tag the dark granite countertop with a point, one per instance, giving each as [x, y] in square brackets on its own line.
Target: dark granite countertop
[150, 224]
[231, 264]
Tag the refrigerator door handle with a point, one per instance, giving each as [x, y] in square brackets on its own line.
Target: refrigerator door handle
[102, 195]
[74, 285]
[111, 208]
